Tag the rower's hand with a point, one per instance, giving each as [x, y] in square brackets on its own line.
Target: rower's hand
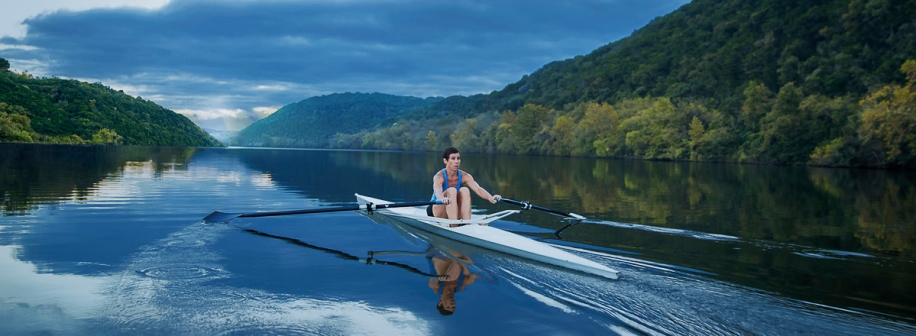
[446, 200]
[495, 199]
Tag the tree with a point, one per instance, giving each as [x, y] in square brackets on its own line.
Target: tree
[658, 132]
[757, 103]
[889, 117]
[4, 65]
[531, 119]
[107, 137]
[696, 135]
[15, 126]
[599, 123]
[562, 133]
[431, 142]
[465, 137]
[505, 141]
[785, 131]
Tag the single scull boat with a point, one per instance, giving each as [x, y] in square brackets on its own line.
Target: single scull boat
[476, 231]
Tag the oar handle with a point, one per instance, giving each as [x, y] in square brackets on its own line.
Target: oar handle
[527, 206]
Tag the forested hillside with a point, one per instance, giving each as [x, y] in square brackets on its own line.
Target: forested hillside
[53, 110]
[313, 121]
[772, 81]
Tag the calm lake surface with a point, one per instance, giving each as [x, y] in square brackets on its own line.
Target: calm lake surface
[109, 240]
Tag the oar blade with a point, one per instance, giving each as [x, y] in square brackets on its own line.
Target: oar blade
[220, 217]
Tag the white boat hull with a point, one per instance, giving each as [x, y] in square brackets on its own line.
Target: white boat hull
[477, 232]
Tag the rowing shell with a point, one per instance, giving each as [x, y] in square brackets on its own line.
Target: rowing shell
[476, 231]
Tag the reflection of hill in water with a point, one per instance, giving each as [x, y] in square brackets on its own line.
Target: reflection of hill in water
[36, 174]
[854, 210]
[334, 176]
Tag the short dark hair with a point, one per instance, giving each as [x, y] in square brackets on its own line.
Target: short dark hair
[441, 308]
[449, 151]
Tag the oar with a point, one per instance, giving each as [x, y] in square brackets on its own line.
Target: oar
[217, 216]
[527, 205]
[574, 218]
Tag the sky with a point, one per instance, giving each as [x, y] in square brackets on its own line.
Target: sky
[226, 63]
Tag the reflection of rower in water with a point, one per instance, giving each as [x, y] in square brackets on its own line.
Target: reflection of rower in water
[454, 276]
[448, 271]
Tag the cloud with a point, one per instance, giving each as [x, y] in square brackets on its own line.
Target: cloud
[264, 111]
[244, 54]
[227, 119]
[13, 14]
[212, 114]
[222, 119]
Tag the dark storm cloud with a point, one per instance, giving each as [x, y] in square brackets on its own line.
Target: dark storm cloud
[254, 53]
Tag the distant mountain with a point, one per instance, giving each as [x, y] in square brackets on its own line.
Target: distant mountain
[313, 121]
[223, 136]
[53, 110]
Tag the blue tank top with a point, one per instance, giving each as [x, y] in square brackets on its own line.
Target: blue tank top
[445, 183]
[432, 268]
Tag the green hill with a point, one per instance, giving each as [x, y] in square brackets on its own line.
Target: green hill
[313, 121]
[53, 110]
[711, 49]
[771, 81]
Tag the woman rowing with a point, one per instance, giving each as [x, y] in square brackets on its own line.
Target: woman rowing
[447, 187]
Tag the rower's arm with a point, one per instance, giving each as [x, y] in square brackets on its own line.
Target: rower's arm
[480, 191]
[437, 186]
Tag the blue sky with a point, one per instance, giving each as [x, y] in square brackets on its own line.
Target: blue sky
[227, 63]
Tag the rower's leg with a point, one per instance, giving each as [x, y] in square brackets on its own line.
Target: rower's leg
[464, 201]
[439, 211]
[451, 209]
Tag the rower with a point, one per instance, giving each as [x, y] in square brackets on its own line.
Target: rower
[453, 187]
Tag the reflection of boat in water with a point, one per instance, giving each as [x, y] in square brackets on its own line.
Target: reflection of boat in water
[476, 231]
[454, 272]
[449, 272]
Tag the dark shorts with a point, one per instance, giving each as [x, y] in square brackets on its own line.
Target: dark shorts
[429, 211]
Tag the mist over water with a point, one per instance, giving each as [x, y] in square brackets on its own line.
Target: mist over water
[109, 240]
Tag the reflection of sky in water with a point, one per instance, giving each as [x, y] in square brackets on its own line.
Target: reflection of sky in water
[35, 294]
[170, 285]
[176, 281]
[162, 285]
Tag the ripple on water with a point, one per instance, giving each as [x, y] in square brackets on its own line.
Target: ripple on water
[174, 273]
[280, 330]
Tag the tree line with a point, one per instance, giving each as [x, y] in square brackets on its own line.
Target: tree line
[783, 127]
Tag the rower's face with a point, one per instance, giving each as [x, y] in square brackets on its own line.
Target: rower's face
[449, 304]
[453, 161]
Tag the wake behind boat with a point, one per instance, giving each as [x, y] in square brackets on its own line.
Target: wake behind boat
[476, 231]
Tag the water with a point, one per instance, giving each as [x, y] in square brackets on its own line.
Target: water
[109, 240]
